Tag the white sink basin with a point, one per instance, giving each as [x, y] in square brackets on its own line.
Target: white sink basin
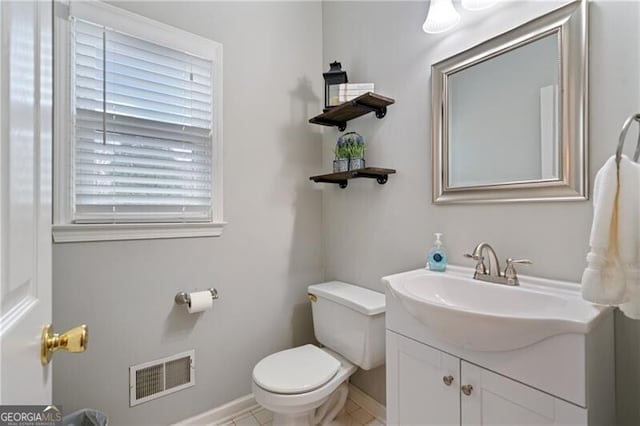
[492, 317]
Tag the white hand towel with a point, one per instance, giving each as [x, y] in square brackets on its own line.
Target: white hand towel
[629, 235]
[602, 280]
[613, 272]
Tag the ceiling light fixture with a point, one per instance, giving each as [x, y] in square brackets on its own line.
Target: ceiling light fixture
[442, 16]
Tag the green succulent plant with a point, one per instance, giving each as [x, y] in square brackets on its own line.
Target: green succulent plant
[350, 145]
[342, 151]
[356, 150]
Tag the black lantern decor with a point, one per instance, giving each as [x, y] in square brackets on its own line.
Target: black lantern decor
[332, 79]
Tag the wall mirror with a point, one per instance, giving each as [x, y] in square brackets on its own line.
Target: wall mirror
[509, 115]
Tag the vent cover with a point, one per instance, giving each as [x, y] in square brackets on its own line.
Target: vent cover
[154, 379]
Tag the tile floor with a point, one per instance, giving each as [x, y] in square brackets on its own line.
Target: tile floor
[352, 415]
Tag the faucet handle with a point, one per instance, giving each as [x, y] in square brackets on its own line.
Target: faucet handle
[481, 269]
[510, 271]
[475, 257]
[523, 261]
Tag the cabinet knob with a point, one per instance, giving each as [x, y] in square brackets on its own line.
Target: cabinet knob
[448, 380]
[467, 389]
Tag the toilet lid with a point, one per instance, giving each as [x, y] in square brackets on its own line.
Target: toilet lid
[296, 370]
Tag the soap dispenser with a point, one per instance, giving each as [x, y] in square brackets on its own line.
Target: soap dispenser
[437, 259]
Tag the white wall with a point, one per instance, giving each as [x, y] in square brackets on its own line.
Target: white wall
[269, 252]
[372, 230]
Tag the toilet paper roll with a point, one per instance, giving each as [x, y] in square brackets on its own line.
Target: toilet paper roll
[200, 301]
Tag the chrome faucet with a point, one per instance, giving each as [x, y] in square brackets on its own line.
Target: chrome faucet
[481, 269]
[493, 274]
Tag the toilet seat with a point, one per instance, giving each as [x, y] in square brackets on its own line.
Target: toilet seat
[297, 370]
[297, 409]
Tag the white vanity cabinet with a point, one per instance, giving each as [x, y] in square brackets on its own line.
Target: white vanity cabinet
[566, 379]
[426, 386]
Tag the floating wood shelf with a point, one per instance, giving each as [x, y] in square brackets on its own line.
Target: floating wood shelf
[379, 174]
[363, 104]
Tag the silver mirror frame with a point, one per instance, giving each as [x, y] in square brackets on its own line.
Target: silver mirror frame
[570, 22]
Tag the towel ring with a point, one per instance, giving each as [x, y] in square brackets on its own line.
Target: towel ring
[623, 134]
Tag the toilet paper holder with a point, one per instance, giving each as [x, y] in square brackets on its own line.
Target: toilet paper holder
[183, 298]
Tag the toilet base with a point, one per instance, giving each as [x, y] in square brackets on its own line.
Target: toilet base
[316, 407]
[321, 416]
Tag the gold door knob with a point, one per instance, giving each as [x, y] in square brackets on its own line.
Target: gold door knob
[467, 389]
[74, 340]
[448, 380]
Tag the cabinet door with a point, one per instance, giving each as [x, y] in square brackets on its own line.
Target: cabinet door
[423, 384]
[496, 400]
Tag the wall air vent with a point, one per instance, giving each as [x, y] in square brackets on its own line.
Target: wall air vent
[154, 379]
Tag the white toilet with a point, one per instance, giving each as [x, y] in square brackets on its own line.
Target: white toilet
[307, 385]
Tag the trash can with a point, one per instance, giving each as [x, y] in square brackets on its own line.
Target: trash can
[85, 417]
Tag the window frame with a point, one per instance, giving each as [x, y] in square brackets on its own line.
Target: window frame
[64, 229]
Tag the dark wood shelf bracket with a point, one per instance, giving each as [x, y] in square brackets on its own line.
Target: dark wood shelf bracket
[380, 178]
[342, 179]
[341, 182]
[339, 115]
[381, 112]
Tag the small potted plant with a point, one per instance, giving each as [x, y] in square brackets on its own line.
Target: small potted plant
[355, 149]
[341, 163]
[356, 159]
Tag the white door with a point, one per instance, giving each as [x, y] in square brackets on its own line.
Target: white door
[491, 399]
[423, 384]
[25, 198]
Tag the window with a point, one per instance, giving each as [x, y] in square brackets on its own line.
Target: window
[143, 130]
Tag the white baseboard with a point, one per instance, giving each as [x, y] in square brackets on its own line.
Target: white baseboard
[221, 414]
[367, 403]
[248, 403]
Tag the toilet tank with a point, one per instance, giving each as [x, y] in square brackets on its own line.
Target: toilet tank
[349, 320]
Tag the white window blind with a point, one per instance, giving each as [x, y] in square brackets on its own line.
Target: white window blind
[143, 130]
